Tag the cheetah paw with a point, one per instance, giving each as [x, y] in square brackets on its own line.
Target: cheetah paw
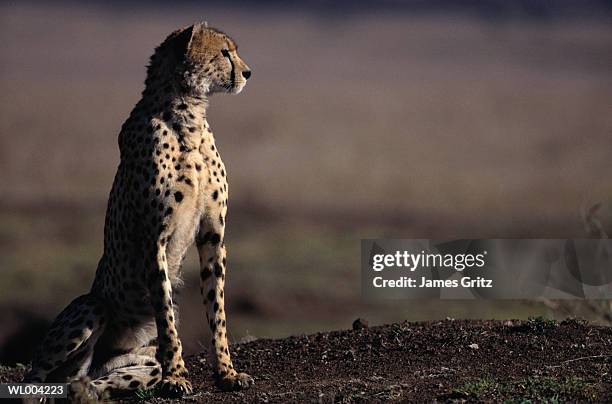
[174, 387]
[239, 381]
[81, 391]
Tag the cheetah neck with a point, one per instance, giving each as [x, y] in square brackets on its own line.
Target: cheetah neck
[183, 111]
[183, 115]
[186, 117]
[163, 74]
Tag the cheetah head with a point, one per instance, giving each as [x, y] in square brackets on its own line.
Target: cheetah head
[206, 61]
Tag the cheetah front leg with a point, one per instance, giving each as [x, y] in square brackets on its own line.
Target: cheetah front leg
[211, 250]
[169, 349]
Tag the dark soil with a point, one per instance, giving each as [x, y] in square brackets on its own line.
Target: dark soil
[538, 360]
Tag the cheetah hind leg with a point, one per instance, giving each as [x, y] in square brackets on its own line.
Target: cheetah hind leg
[67, 349]
[120, 377]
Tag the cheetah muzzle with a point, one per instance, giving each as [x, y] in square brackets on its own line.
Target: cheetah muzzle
[170, 190]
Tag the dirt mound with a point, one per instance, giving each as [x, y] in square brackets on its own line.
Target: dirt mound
[448, 360]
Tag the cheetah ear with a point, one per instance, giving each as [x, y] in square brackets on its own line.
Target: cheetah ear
[180, 41]
[183, 40]
[196, 39]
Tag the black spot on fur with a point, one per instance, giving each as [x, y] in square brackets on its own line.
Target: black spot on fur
[215, 239]
[218, 270]
[201, 240]
[205, 274]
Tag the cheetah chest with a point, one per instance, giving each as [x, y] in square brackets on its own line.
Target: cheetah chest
[205, 177]
[200, 197]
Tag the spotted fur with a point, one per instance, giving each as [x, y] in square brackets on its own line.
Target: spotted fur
[169, 191]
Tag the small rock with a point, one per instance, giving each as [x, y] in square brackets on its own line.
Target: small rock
[473, 346]
[360, 324]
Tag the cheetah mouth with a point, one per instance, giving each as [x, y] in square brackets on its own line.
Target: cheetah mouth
[238, 87]
[233, 86]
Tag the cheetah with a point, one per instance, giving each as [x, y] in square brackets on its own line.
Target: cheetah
[170, 190]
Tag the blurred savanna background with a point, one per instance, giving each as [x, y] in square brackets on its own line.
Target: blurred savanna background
[439, 119]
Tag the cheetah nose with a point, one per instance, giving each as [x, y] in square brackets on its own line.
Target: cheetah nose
[246, 74]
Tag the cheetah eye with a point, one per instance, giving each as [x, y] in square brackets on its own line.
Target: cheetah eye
[225, 52]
